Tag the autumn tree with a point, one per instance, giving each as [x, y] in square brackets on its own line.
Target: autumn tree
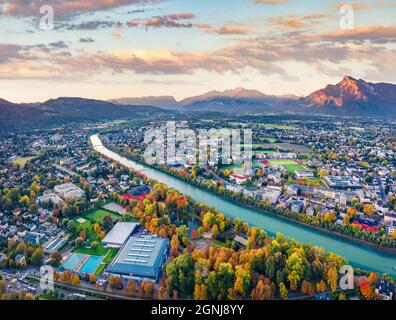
[129, 289]
[366, 290]
[242, 281]
[373, 278]
[75, 280]
[200, 292]
[115, 282]
[369, 209]
[92, 278]
[148, 289]
[332, 278]
[321, 286]
[283, 291]
[175, 243]
[262, 291]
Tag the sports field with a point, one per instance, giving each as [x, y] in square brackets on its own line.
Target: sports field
[282, 162]
[98, 215]
[290, 165]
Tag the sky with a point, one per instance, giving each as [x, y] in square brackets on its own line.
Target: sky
[108, 49]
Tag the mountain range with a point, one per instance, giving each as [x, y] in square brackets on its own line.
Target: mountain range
[349, 97]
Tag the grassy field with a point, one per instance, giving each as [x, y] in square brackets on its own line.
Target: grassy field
[110, 255]
[270, 140]
[98, 215]
[264, 151]
[264, 125]
[277, 126]
[82, 225]
[218, 244]
[22, 161]
[282, 162]
[99, 251]
[290, 165]
[238, 168]
[48, 296]
[100, 269]
[292, 168]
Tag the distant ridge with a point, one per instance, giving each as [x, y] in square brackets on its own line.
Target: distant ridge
[63, 109]
[160, 101]
[350, 96]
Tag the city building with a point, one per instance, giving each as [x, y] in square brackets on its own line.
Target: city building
[239, 179]
[296, 206]
[342, 183]
[304, 174]
[119, 234]
[67, 190]
[141, 257]
[271, 194]
[49, 197]
[34, 237]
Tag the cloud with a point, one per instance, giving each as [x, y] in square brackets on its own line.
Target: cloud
[373, 34]
[329, 53]
[356, 5]
[58, 45]
[166, 21]
[230, 30]
[65, 7]
[8, 52]
[297, 21]
[86, 40]
[89, 25]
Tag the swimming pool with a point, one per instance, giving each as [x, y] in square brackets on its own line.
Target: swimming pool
[91, 264]
[72, 261]
[82, 263]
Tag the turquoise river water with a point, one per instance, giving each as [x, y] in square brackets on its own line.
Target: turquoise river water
[357, 255]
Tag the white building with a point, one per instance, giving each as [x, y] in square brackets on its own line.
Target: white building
[270, 194]
[119, 234]
[304, 174]
[67, 190]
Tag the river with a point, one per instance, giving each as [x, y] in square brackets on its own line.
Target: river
[357, 255]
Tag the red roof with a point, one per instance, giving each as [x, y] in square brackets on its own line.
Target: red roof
[237, 176]
[127, 196]
[130, 197]
[366, 227]
[142, 196]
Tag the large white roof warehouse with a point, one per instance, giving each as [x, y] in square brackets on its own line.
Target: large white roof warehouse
[119, 234]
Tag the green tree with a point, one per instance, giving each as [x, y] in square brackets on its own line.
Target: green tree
[37, 257]
[180, 275]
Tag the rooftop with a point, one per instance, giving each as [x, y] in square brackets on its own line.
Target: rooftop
[120, 233]
[142, 256]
